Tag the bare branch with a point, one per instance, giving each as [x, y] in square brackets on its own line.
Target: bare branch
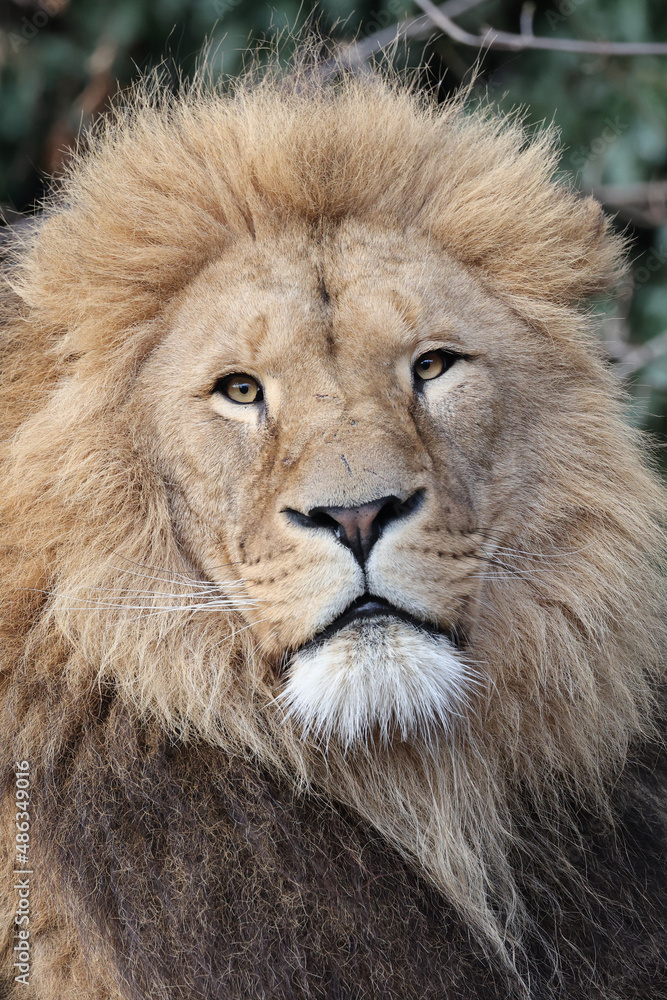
[643, 204]
[627, 195]
[631, 359]
[493, 39]
[527, 15]
[359, 52]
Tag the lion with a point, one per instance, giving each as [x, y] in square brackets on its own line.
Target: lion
[334, 616]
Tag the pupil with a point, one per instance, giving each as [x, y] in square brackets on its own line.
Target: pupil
[244, 388]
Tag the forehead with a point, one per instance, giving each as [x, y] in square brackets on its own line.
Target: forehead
[296, 298]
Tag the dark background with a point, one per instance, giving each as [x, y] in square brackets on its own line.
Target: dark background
[63, 61]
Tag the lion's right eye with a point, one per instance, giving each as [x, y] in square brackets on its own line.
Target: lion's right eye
[240, 388]
[432, 364]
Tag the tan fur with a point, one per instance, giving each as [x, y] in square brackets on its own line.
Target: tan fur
[192, 240]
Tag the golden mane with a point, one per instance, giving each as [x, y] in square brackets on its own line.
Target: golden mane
[573, 640]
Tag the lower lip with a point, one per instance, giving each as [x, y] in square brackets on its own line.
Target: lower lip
[376, 609]
[371, 609]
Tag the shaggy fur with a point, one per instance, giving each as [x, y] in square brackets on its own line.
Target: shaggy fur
[189, 838]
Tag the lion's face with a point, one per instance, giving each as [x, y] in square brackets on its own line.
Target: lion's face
[351, 486]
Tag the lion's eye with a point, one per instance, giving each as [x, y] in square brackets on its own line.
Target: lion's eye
[240, 388]
[433, 363]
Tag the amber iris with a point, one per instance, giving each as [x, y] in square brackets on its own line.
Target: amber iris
[430, 365]
[240, 388]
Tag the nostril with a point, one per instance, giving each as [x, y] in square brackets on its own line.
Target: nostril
[358, 527]
[413, 503]
[320, 519]
[396, 509]
[316, 518]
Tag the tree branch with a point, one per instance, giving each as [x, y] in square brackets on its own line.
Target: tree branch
[643, 204]
[631, 359]
[493, 39]
[359, 52]
[628, 195]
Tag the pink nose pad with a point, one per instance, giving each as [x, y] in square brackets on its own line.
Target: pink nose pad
[359, 527]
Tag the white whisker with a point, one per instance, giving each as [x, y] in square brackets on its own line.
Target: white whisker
[159, 608]
[185, 581]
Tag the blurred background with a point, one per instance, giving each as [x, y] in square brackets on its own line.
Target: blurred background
[63, 61]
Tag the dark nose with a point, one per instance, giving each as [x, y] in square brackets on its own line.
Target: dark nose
[359, 527]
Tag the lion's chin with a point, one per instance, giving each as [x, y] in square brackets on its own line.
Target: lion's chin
[378, 679]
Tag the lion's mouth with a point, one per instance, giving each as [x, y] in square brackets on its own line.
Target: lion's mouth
[370, 607]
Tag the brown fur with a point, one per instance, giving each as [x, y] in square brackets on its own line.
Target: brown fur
[316, 235]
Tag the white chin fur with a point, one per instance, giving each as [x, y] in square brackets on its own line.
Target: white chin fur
[382, 678]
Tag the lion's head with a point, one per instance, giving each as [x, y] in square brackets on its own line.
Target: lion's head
[323, 462]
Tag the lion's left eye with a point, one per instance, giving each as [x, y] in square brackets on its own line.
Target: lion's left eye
[240, 388]
[432, 364]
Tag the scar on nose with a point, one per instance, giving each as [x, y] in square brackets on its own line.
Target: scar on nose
[323, 290]
[346, 463]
